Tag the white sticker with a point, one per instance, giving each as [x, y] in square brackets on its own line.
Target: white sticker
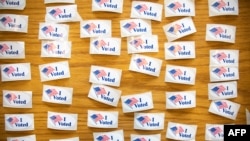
[117, 135]
[14, 23]
[23, 138]
[105, 46]
[15, 72]
[95, 28]
[59, 14]
[19, 122]
[221, 33]
[145, 64]
[151, 137]
[224, 90]
[178, 131]
[59, 1]
[149, 121]
[54, 71]
[224, 73]
[53, 31]
[214, 132]
[105, 75]
[68, 139]
[142, 44]
[146, 10]
[13, 4]
[225, 108]
[179, 50]
[108, 5]
[62, 121]
[102, 119]
[59, 95]
[179, 8]
[223, 7]
[56, 49]
[104, 94]
[137, 102]
[12, 50]
[224, 57]
[180, 100]
[180, 74]
[135, 27]
[17, 99]
[247, 117]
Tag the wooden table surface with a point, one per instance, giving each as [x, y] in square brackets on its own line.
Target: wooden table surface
[131, 82]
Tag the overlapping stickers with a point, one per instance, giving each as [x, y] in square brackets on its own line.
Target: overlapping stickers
[53, 31]
[19, 122]
[17, 99]
[151, 137]
[179, 50]
[179, 8]
[13, 5]
[149, 121]
[223, 7]
[116, 135]
[22, 138]
[180, 100]
[14, 23]
[12, 50]
[214, 132]
[221, 33]
[115, 6]
[56, 49]
[222, 90]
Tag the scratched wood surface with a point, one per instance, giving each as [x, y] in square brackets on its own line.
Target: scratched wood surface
[131, 82]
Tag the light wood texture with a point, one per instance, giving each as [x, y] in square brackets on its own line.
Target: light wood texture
[131, 82]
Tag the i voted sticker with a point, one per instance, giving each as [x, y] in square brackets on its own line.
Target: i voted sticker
[223, 73]
[179, 8]
[115, 6]
[19, 122]
[14, 23]
[53, 31]
[151, 137]
[221, 33]
[22, 138]
[180, 100]
[13, 4]
[149, 121]
[12, 50]
[17, 99]
[102, 119]
[179, 50]
[223, 7]
[223, 90]
[214, 132]
[15, 72]
[224, 57]
[116, 135]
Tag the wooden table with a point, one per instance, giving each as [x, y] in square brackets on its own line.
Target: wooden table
[131, 82]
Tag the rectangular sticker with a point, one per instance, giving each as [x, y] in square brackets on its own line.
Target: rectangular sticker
[14, 23]
[13, 5]
[214, 132]
[179, 50]
[17, 99]
[102, 119]
[56, 49]
[19, 122]
[116, 135]
[223, 90]
[223, 7]
[223, 73]
[224, 57]
[115, 6]
[221, 33]
[149, 121]
[12, 50]
[180, 100]
[22, 138]
[179, 8]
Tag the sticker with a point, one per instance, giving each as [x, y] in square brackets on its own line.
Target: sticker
[224, 90]
[14, 23]
[104, 94]
[142, 44]
[180, 74]
[135, 27]
[102, 119]
[23, 138]
[221, 33]
[145, 64]
[12, 50]
[179, 8]
[179, 50]
[13, 4]
[151, 137]
[223, 73]
[105, 75]
[146, 10]
[115, 6]
[68, 139]
[15, 72]
[95, 28]
[223, 7]
[224, 57]
[137, 102]
[116, 135]
[224, 108]
[59, 1]
[56, 49]
[62, 121]
[214, 132]
[17, 99]
[180, 100]
[19, 122]
[105, 46]
[179, 29]
[149, 121]
[59, 95]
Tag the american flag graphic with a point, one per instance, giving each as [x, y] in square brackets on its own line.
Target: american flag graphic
[56, 118]
[177, 130]
[101, 2]
[10, 97]
[48, 70]
[218, 89]
[100, 43]
[175, 98]
[89, 27]
[3, 48]
[219, 4]
[6, 20]
[216, 131]
[131, 102]
[137, 43]
[141, 62]
[143, 120]
[97, 117]
[9, 70]
[221, 105]
[141, 8]
[103, 138]
[50, 47]
[174, 29]
[99, 73]
[174, 6]
[99, 91]
[220, 71]
[47, 29]
[130, 26]
[216, 31]
[55, 12]
[175, 72]
[12, 120]
[220, 56]
[51, 92]
[174, 49]
[140, 139]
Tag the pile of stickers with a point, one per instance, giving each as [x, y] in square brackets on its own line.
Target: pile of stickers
[54, 36]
